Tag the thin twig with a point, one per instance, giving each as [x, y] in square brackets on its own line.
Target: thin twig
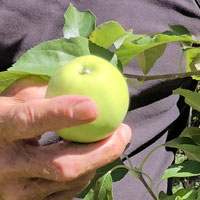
[163, 76]
[148, 188]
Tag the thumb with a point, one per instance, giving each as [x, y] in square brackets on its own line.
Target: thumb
[33, 118]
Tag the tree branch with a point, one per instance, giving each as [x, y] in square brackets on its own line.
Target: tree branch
[163, 76]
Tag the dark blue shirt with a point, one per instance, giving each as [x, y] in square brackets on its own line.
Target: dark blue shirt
[26, 23]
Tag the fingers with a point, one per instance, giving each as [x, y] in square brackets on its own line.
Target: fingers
[65, 162]
[32, 118]
[66, 194]
[43, 185]
[67, 168]
[42, 188]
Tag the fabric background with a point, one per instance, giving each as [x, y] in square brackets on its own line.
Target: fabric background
[26, 23]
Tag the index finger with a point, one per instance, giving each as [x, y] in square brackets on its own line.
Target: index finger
[66, 162]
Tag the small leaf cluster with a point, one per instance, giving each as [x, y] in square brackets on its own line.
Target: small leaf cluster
[109, 40]
[112, 42]
[189, 143]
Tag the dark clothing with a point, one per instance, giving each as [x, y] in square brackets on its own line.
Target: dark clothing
[26, 23]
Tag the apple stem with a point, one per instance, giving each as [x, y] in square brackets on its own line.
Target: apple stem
[85, 71]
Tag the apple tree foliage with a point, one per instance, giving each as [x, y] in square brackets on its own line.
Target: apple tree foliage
[111, 41]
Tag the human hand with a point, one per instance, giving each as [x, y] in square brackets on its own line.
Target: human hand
[58, 171]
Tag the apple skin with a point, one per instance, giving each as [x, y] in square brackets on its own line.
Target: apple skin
[98, 79]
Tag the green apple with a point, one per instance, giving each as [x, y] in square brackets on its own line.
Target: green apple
[98, 79]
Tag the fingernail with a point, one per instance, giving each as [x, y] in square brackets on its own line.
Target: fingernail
[85, 110]
[126, 133]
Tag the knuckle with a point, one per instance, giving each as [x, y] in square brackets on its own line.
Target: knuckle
[68, 170]
[23, 119]
[25, 115]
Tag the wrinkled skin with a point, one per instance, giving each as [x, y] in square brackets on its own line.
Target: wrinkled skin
[58, 171]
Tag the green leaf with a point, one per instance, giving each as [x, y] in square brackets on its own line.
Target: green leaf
[107, 33]
[180, 157]
[103, 188]
[147, 58]
[193, 61]
[78, 23]
[183, 194]
[177, 186]
[117, 175]
[186, 169]
[114, 61]
[144, 40]
[179, 30]
[106, 54]
[187, 145]
[129, 50]
[191, 98]
[163, 196]
[122, 39]
[193, 133]
[90, 195]
[47, 57]
[9, 77]
[128, 37]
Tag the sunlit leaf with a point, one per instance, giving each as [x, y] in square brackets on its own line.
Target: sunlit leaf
[47, 57]
[128, 37]
[103, 188]
[78, 23]
[117, 175]
[129, 50]
[90, 195]
[187, 145]
[177, 187]
[186, 169]
[179, 30]
[193, 61]
[107, 33]
[183, 194]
